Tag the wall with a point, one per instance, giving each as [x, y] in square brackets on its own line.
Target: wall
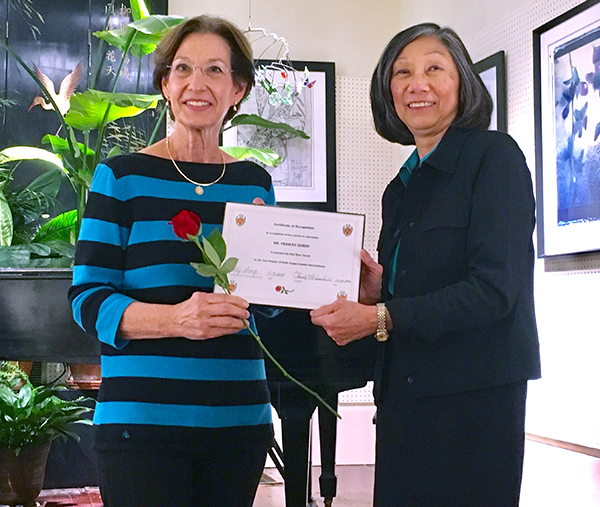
[340, 31]
[563, 405]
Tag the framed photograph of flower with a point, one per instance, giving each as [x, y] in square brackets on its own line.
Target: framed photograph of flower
[300, 95]
[567, 131]
[492, 71]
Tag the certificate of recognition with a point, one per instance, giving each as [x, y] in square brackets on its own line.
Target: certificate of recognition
[293, 258]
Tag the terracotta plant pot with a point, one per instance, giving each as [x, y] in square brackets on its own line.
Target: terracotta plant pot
[85, 376]
[22, 476]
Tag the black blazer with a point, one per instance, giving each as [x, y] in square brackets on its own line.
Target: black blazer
[462, 308]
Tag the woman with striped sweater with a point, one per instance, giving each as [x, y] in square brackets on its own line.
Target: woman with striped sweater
[183, 415]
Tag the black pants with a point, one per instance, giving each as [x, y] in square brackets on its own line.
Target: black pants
[463, 450]
[181, 479]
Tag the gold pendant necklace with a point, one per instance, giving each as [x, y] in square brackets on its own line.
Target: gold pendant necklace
[199, 186]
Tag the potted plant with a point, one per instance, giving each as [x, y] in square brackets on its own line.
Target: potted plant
[25, 204]
[31, 417]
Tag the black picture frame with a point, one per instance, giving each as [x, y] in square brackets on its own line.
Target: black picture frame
[567, 130]
[320, 192]
[492, 71]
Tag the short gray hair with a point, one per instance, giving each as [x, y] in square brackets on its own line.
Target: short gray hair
[475, 104]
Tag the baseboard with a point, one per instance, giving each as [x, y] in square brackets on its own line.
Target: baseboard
[590, 451]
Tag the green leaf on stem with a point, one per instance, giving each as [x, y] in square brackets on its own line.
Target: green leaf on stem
[229, 265]
[218, 243]
[210, 253]
[206, 270]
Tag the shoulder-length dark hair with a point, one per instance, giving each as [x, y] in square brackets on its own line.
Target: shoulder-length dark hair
[242, 63]
[475, 104]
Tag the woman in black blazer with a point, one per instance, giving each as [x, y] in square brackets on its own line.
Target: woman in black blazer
[451, 299]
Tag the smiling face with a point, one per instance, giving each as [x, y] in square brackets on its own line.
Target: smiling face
[199, 85]
[424, 86]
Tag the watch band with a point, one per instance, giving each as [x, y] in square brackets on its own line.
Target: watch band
[382, 334]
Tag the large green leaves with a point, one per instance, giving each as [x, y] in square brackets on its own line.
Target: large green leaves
[20, 208]
[148, 32]
[79, 173]
[47, 183]
[89, 109]
[6, 222]
[139, 9]
[36, 415]
[258, 121]
[60, 228]
[265, 155]
[18, 153]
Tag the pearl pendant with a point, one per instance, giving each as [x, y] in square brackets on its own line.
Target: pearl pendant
[199, 190]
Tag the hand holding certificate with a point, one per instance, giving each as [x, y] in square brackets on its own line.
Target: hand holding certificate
[293, 258]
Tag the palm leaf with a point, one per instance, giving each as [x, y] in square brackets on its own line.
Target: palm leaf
[15, 256]
[47, 183]
[28, 205]
[60, 228]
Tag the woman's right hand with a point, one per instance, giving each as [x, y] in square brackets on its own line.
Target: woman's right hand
[206, 315]
[202, 316]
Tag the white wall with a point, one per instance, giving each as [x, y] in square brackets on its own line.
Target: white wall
[464, 16]
[351, 33]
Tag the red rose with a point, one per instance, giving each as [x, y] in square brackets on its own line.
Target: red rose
[184, 223]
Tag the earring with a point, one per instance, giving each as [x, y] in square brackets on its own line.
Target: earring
[167, 103]
[235, 108]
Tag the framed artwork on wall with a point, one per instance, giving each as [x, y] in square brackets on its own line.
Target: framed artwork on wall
[306, 176]
[567, 131]
[492, 71]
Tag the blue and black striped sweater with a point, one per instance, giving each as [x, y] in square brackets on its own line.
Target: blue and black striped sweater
[171, 391]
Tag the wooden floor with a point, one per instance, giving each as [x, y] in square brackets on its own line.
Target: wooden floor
[552, 477]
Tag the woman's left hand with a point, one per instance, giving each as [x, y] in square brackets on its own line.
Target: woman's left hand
[346, 321]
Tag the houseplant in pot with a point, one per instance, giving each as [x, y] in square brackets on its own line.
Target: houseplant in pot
[31, 417]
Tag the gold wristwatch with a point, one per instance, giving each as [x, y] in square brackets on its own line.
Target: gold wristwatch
[382, 334]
